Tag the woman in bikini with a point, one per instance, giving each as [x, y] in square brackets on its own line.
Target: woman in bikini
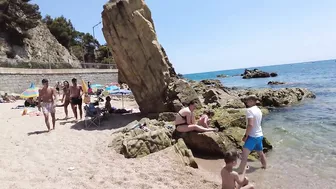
[66, 97]
[185, 120]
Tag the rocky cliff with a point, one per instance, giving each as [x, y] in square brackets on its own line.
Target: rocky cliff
[24, 39]
[129, 31]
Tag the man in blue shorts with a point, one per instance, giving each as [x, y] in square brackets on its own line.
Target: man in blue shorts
[253, 135]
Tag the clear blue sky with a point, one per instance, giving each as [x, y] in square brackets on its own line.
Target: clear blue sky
[204, 36]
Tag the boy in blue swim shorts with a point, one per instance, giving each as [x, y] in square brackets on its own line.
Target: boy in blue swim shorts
[253, 135]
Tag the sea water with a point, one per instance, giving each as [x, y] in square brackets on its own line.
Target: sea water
[303, 135]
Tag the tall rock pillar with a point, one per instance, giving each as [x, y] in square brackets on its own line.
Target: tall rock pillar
[130, 33]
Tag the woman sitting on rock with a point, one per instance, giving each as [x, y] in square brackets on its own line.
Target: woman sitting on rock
[185, 120]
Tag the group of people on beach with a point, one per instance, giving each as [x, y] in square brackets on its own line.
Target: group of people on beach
[185, 122]
[47, 100]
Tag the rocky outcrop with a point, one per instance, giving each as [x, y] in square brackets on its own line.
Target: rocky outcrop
[276, 83]
[278, 98]
[248, 74]
[129, 31]
[136, 140]
[26, 42]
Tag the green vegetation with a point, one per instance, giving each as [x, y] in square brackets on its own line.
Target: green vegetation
[16, 17]
[82, 45]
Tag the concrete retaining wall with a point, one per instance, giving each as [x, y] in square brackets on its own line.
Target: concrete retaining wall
[16, 80]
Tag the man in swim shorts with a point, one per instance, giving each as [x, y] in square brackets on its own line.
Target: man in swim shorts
[253, 136]
[76, 98]
[48, 97]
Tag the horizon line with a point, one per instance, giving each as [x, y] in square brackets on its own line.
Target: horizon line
[313, 61]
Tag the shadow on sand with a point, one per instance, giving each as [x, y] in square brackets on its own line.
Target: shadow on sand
[66, 122]
[37, 132]
[113, 121]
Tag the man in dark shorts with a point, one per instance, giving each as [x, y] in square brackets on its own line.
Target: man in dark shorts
[76, 98]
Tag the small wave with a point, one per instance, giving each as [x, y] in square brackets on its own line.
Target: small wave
[281, 130]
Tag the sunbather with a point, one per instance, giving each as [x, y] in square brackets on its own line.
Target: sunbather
[185, 120]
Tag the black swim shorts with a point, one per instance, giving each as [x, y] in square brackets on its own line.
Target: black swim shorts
[76, 101]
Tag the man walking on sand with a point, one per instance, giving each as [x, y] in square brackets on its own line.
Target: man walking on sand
[76, 98]
[253, 136]
[48, 97]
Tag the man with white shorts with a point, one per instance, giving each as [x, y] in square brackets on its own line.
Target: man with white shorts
[48, 97]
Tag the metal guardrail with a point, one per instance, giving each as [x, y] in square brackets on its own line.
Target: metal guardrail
[51, 65]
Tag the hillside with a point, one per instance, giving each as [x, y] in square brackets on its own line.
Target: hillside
[25, 41]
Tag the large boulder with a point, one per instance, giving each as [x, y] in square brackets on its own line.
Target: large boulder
[221, 98]
[185, 154]
[130, 32]
[208, 143]
[248, 74]
[134, 141]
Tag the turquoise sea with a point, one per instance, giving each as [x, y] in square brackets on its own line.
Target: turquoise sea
[304, 135]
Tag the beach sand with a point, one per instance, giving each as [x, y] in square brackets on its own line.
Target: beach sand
[73, 157]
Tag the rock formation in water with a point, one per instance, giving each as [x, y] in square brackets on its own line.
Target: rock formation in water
[24, 39]
[276, 83]
[129, 31]
[248, 74]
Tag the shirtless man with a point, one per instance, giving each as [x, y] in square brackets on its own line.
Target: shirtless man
[76, 98]
[48, 104]
[230, 178]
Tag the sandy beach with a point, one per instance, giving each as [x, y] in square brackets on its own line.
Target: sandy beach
[73, 157]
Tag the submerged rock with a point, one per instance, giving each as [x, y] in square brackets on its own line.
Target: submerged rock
[276, 83]
[222, 76]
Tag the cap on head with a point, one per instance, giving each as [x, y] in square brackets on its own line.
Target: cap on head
[252, 97]
[44, 81]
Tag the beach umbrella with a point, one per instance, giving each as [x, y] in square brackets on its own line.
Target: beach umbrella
[31, 92]
[112, 88]
[84, 87]
[121, 92]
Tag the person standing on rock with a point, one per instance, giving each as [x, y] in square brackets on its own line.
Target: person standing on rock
[253, 136]
[48, 97]
[76, 98]
[185, 120]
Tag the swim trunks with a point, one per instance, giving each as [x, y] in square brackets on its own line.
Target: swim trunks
[76, 101]
[254, 143]
[48, 107]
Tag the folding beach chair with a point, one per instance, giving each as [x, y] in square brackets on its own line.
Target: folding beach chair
[92, 116]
